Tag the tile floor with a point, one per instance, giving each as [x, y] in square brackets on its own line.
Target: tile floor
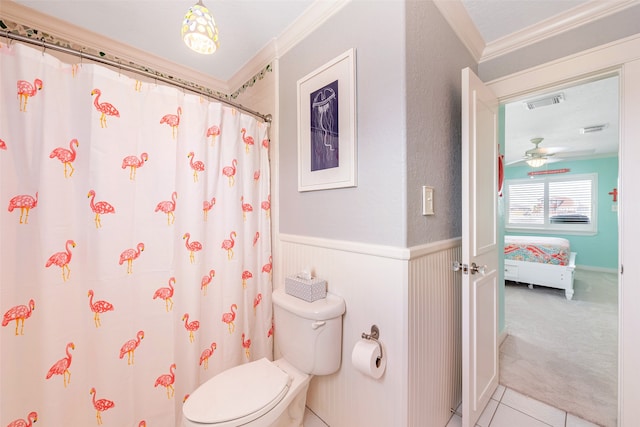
[508, 408]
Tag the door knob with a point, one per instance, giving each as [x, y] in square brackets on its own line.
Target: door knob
[478, 269]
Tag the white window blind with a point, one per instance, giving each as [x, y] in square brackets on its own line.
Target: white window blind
[566, 203]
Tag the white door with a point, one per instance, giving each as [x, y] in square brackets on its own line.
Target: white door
[479, 247]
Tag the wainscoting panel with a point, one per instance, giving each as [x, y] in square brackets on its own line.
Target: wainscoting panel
[414, 298]
[435, 352]
[374, 289]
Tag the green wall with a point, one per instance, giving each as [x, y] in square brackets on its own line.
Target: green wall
[600, 250]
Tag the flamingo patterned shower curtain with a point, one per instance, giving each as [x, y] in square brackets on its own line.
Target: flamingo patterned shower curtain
[135, 253]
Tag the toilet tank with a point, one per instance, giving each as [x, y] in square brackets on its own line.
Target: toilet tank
[309, 334]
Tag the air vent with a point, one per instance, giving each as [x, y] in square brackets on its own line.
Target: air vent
[543, 102]
[596, 128]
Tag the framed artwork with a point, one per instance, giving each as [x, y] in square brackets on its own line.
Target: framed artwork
[327, 126]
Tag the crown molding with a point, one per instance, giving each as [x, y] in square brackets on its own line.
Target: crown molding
[459, 20]
[315, 15]
[567, 21]
[76, 35]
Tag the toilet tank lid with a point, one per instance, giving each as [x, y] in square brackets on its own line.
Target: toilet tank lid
[323, 309]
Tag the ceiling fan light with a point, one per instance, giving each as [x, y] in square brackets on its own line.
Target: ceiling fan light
[536, 162]
[199, 30]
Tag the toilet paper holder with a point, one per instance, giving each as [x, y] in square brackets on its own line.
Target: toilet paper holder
[374, 336]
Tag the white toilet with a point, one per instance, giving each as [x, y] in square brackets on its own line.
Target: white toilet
[273, 394]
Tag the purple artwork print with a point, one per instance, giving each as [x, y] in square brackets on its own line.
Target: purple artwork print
[324, 127]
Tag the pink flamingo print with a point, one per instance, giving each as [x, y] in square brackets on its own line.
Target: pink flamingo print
[98, 307]
[19, 313]
[265, 143]
[172, 120]
[166, 294]
[133, 163]
[130, 346]
[67, 157]
[31, 418]
[104, 108]
[246, 275]
[197, 166]
[228, 245]
[192, 247]
[246, 207]
[190, 326]
[129, 255]
[206, 280]
[143, 423]
[256, 302]
[212, 132]
[271, 330]
[99, 208]
[168, 207]
[230, 172]
[246, 345]
[62, 259]
[26, 89]
[207, 206]
[268, 266]
[256, 175]
[248, 140]
[266, 205]
[256, 237]
[3, 145]
[61, 367]
[25, 202]
[228, 318]
[100, 405]
[206, 354]
[167, 380]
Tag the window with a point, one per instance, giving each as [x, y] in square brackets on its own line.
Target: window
[566, 204]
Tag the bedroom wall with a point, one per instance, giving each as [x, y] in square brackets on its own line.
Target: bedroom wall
[598, 252]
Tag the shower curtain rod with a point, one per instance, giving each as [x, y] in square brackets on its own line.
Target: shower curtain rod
[47, 45]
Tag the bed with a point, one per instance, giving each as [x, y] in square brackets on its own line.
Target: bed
[539, 260]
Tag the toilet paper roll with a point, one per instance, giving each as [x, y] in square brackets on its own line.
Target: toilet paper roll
[366, 358]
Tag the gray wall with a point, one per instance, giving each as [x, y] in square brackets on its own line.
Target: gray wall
[408, 64]
[434, 63]
[374, 211]
[605, 30]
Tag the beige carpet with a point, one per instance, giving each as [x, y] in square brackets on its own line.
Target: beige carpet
[564, 352]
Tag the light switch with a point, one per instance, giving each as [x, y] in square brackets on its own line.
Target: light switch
[427, 200]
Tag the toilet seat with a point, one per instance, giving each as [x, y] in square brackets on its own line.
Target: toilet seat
[244, 392]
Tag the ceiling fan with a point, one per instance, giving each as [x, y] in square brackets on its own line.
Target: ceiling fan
[539, 156]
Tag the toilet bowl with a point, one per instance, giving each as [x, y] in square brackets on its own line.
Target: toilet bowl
[257, 394]
[273, 394]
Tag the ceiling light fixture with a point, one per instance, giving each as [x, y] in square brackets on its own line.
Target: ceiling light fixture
[536, 162]
[199, 30]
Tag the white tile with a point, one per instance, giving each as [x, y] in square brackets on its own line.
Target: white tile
[312, 420]
[497, 395]
[573, 421]
[509, 417]
[455, 421]
[536, 409]
[487, 414]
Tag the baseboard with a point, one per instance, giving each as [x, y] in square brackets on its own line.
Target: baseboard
[502, 336]
[599, 269]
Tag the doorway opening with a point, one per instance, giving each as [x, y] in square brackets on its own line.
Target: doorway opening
[558, 350]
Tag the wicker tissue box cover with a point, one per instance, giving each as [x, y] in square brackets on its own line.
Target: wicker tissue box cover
[307, 289]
